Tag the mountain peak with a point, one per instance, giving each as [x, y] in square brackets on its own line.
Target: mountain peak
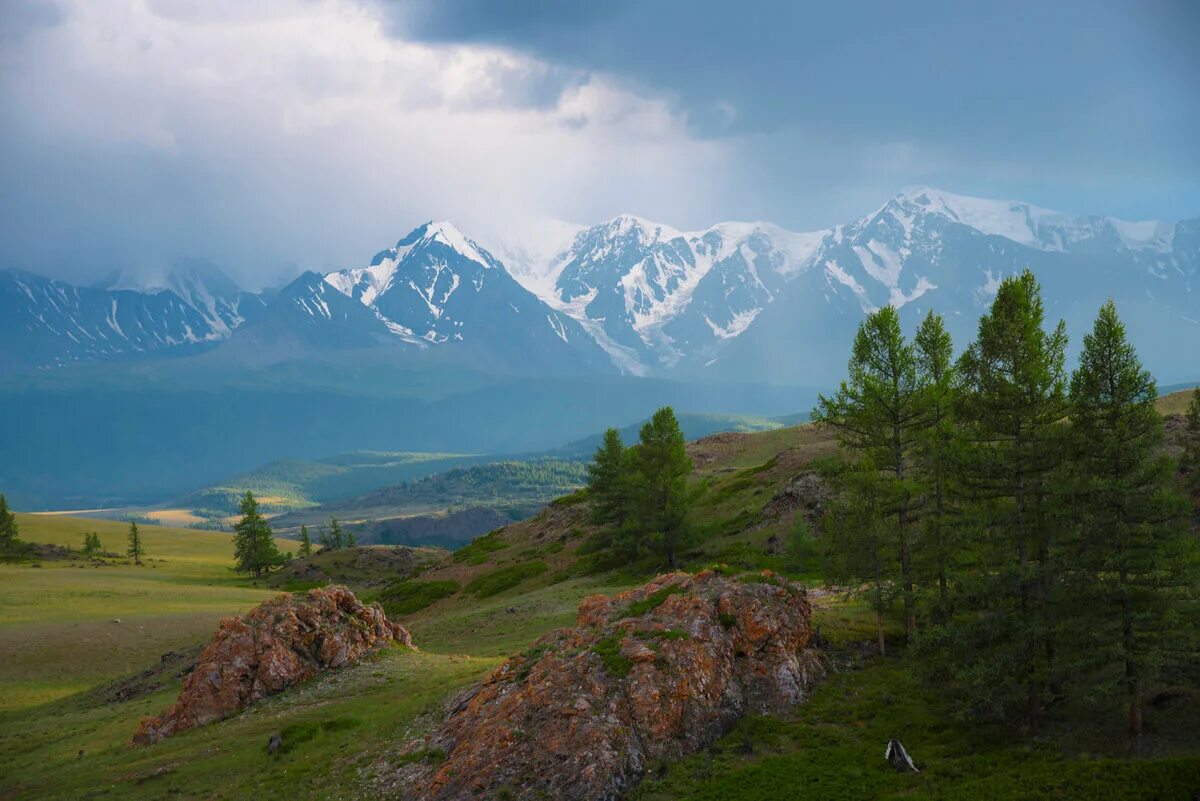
[648, 231]
[445, 233]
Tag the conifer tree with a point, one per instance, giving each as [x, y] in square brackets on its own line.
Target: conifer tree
[254, 547]
[858, 537]
[305, 542]
[936, 457]
[136, 550]
[351, 541]
[877, 413]
[333, 539]
[1190, 459]
[662, 469]
[608, 481]
[1013, 407]
[8, 527]
[1128, 522]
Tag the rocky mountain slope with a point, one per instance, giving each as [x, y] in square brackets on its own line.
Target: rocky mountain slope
[747, 301]
[753, 301]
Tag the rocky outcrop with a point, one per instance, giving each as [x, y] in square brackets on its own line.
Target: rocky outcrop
[655, 673]
[279, 643]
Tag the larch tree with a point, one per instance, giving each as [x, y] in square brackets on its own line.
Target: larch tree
[936, 455]
[305, 542]
[1128, 522]
[8, 527]
[661, 493]
[135, 550]
[877, 413]
[254, 546]
[857, 537]
[1012, 407]
[608, 481]
[1190, 458]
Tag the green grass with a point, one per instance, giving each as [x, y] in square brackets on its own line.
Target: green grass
[58, 633]
[334, 727]
[651, 601]
[609, 651]
[497, 581]
[832, 746]
[476, 553]
[413, 595]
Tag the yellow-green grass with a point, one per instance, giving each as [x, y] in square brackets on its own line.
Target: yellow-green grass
[58, 629]
[1176, 402]
[335, 728]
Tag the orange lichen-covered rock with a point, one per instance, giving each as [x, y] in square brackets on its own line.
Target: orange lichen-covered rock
[281, 642]
[655, 673]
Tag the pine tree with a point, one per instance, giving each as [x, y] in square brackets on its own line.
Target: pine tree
[877, 413]
[8, 528]
[136, 550]
[305, 542]
[254, 547]
[1129, 523]
[1013, 409]
[936, 455]
[857, 536]
[608, 481]
[660, 483]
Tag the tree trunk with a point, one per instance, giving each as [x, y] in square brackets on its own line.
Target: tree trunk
[879, 629]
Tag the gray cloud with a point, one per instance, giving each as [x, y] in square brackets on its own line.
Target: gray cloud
[288, 134]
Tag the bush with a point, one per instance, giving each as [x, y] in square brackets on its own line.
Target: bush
[651, 601]
[410, 595]
[476, 552]
[609, 651]
[497, 581]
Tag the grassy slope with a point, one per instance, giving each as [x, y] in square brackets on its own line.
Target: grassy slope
[1175, 403]
[831, 747]
[56, 619]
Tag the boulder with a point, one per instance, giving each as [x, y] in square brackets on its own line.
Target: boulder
[655, 673]
[281, 642]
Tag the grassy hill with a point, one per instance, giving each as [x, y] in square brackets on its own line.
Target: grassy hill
[1175, 402]
[516, 489]
[297, 483]
[491, 599]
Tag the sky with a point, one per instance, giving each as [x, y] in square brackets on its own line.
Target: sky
[282, 135]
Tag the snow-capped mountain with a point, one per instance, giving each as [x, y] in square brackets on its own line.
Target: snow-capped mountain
[747, 301]
[653, 295]
[201, 285]
[437, 289]
[46, 323]
[928, 249]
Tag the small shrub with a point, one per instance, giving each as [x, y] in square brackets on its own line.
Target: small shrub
[609, 651]
[497, 581]
[651, 601]
[411, 595]
[434, 756]
[476, 552]
[574, 499]
[300, 733]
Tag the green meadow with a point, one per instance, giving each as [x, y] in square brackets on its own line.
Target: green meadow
[67, 625]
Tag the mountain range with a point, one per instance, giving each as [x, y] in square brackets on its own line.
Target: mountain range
[746, 301]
